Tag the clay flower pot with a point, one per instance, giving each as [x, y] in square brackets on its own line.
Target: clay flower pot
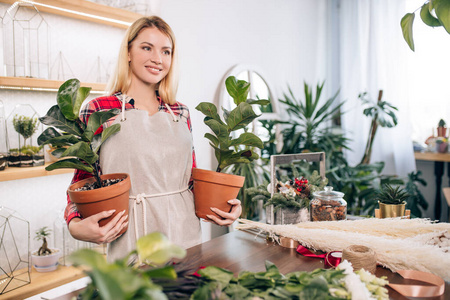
[111, 197]
[442, 131]
[213, 189]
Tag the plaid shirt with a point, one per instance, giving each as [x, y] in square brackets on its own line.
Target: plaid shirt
[107, 103]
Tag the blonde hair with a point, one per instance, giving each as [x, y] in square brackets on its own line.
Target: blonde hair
[120, 80]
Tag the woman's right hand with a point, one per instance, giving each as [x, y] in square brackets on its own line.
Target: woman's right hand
[89, 229]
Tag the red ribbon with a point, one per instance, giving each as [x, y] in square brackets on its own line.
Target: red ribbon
[330, 260]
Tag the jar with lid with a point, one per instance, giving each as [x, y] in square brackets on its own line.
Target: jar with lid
[328, 205]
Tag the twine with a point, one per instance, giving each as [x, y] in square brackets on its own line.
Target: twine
[361, 257]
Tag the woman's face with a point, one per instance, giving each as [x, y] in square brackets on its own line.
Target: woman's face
[150, 56]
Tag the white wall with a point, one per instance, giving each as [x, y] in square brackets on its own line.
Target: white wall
[279, 37]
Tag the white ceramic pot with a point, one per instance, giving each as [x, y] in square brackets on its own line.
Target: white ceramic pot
[46, 263]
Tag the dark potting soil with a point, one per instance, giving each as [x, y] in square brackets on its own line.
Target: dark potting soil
[93, 185]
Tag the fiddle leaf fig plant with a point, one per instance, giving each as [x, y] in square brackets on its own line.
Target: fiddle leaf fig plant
[77, 143]
[228, 148]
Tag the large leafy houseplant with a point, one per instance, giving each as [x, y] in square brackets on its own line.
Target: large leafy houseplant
[230, 147]
[77, 145]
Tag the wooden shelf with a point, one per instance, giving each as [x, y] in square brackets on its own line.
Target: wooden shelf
[12, 173]
[41, 282]
[86, 10]
[38, 84]
[432, 156]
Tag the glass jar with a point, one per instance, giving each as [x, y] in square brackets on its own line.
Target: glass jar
[328, 205]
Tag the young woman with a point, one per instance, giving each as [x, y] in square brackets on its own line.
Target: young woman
[154, 145]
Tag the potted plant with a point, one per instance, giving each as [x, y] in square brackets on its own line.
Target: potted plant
[44, 259]
[441, 129]
[392, 201]
[27, 155]
[214, 189]
[78, 145]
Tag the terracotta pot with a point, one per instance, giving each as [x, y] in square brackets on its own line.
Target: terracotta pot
[392, 210]
[442, 131]
[213, 189]
[111, 197]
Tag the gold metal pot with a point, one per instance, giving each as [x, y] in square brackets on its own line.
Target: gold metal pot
[392, 210]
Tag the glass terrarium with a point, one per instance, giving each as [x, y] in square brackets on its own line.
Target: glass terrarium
[14, 250]
[23, 128]
[26, 41]
[3, 139]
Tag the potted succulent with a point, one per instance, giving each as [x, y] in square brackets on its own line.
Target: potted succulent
[441, 129]
[392, 201]
[77, 145]
[44, 259]
[214, 189]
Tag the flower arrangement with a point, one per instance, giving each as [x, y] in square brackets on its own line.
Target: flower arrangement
[293, 193]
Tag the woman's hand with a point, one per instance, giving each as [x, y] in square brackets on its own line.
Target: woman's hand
[89, 230]
[227, 218]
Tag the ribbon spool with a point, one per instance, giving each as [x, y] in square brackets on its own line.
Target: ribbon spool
[361, 257]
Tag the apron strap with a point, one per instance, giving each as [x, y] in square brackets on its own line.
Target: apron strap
[175, 119]
[140, 199]
[124, 100]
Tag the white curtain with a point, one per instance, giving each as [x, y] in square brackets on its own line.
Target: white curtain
[372, 58]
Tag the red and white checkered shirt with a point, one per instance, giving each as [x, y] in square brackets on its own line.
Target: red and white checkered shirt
[106, 103]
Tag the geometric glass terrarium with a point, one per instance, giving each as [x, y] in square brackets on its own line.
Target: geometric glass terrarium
[14, 251]
[23, 128]
[3, 139]
[26, 42]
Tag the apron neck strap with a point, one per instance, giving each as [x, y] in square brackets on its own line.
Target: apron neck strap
[125, 98]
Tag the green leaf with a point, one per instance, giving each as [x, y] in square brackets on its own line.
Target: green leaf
[82, 94]
[407, 23]
[88, 257]
[69, 163]
[442, 9]
[82, 151]
[63, 140]
[165, 272]
[217, 274]
[212, 138]
[99, 139]
[427, 17]
[46, 135]
[209, 110]
[248, 139]
[240, 116]
[66, 98]
[107, 287]
[55, 118]
[157, 248]
[237, 89]
[96, 120]
[220, 130]
[259, 102]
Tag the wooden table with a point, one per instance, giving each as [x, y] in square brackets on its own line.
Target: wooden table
[238, 251]
[439, 159]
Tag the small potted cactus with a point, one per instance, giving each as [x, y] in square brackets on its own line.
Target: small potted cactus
[392, 201]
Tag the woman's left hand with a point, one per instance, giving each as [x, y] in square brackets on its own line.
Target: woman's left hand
[227, 218]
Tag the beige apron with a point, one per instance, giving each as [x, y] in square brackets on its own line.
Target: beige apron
[157, 153]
